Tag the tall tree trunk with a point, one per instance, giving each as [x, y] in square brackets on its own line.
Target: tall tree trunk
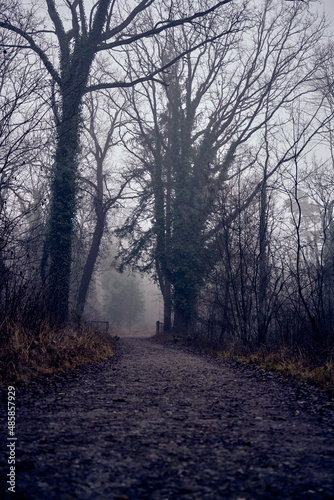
[162, 202]
[62, 209]
[165, 287]
[167, 307]
[184, 311]
[101, 214]
[263, 266]
[90, 263]
[181, 321]
[75, 64]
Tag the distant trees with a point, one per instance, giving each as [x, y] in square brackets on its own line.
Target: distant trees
[103, 184]
[221, 107]
[23, 134]
[122, 299]
[110, 27]
[310, 201]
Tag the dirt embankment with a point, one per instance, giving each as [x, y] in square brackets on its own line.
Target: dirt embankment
[161, 423]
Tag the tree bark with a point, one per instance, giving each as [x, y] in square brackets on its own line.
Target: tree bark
[181, 321]
[167, 307]
[263, 266]
[90, 262]
[62, 208]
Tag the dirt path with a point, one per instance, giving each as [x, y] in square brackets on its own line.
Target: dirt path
[162, 423]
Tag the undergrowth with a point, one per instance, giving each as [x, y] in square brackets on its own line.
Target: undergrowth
[306, 365]
[27, 355]
[314, 369]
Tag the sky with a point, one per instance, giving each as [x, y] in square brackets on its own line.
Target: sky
[329, 6]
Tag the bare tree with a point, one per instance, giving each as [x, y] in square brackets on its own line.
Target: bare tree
[109, 27]
[218, 100]
[23, 132]
[99, 174]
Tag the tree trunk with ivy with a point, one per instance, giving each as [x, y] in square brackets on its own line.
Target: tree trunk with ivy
[74, 77]
[77, 46]
[62, 209]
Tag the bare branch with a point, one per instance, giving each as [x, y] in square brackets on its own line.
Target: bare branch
[32, 45]
[125, 39]
[59, 29]
[83, 17]
[151, 76]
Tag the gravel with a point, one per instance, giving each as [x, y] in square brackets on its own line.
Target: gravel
[159, 422]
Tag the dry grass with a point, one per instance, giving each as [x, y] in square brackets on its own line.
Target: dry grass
[317, 370]
[25, 355]
[288, 362]
[305, 365]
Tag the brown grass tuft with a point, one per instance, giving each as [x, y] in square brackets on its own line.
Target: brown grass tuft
[25, 355]
[286, 361]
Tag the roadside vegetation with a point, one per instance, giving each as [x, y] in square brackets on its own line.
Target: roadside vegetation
[314, 369]
[27, 355]
[306, 365]
[190, 141]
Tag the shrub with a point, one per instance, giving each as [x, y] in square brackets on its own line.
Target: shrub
[26, 355]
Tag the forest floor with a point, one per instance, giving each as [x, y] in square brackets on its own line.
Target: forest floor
[161, 422]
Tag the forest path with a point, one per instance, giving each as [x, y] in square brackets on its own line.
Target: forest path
[163, 423]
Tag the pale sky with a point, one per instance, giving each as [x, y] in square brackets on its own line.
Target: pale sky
[329, 7]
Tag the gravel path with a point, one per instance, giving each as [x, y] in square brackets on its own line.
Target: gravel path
[163, 423]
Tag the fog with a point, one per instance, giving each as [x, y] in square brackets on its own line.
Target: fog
[130, 303]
